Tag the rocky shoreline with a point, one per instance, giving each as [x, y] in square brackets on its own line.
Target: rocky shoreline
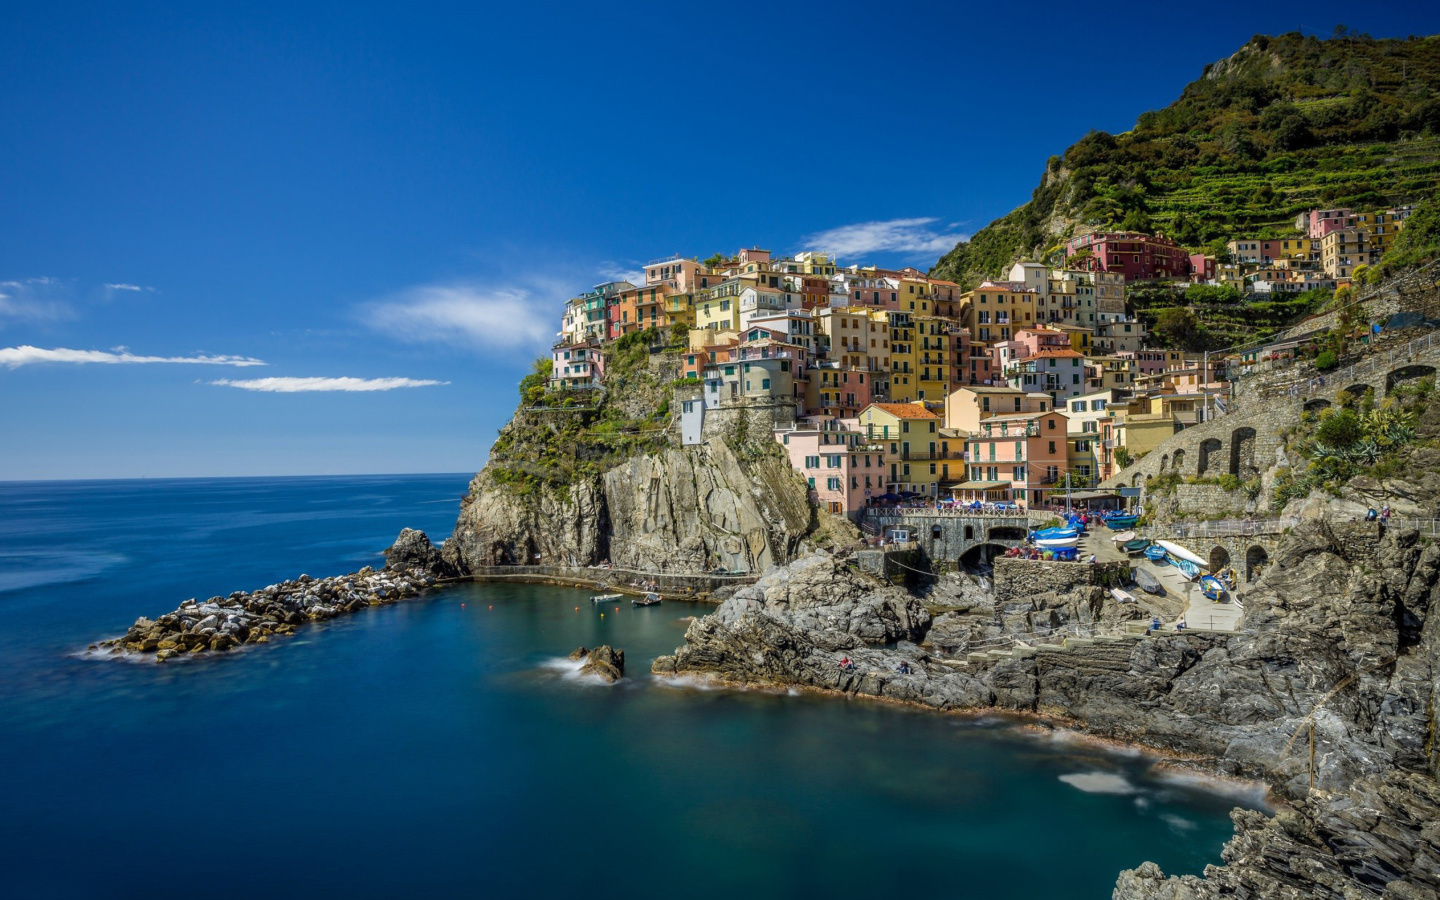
[220, 624]
[1337, 647]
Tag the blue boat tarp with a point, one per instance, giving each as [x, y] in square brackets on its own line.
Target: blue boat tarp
[1052, 534]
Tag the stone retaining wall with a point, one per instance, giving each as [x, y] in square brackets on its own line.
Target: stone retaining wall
[1019, 580]
[612, 579]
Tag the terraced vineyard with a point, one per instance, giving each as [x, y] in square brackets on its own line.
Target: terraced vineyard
[1286, 124]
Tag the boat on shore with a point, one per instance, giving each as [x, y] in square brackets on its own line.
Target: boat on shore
[1212, 587]
[1122, 596]
[1180, 552]
[1155, 553]
[1125, 520]
[606, 598]
[650, 599]
[1061, 543]
[1122, 537]
[1186, 567]
[1149, 583]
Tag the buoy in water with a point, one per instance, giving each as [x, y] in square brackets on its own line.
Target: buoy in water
[462, 606]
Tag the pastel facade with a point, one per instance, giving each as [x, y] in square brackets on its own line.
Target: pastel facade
[844, 470]
[1016, 457]
[1135, 256]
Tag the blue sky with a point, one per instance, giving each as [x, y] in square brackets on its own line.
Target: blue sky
[398, 197]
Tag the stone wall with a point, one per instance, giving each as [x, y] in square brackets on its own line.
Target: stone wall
[950, 540]
[1211, 500]
[1019, 580]
[756, 419]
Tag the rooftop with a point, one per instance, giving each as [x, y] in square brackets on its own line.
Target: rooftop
[905, 410]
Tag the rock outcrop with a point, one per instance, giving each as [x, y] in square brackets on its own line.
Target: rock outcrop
[605, 663]
[685, 510]
[1338, 646]
[223, 623]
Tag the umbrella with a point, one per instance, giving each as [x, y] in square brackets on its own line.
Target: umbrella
[888, 498]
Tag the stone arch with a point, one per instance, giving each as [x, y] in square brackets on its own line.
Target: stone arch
[1219, 558]
[1164, 461]
[1356, 390]
[1407, 373]
[1255, 560]
[935, 532]
[1317, 404]
[1005, 533]
[1138, 480]
[1209, 452]
[969, 532]
[1242, 453]
[981, 554]
[1179, 460]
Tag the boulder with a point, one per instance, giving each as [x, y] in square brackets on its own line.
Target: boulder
[413, 550]
[578, 654]
[605, 663]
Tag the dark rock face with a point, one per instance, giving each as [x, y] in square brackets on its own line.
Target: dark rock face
[413, 550]
[605, 663]
[1338, 644]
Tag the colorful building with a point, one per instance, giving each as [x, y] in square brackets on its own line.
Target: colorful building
[842, 468]
[1137, 257]
[1016, 456]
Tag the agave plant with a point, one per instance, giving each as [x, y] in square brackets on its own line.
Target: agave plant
[1366, 452]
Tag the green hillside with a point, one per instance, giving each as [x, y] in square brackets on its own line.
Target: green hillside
[1286, 124]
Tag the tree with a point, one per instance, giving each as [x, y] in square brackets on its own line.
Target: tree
[532, 386]
[1122, 457]
[1178, 327]
[713, 261]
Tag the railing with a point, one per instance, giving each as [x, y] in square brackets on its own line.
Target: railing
[892, 515]
[1222, 528]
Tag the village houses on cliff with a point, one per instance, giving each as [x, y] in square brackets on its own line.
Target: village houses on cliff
[886, 385]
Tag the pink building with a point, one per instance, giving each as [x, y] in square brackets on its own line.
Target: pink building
[576, 365]
[1136, 256]
[842, 469]
[1202, 267]
[1321, 222]
[1015, 457]
[838, 393]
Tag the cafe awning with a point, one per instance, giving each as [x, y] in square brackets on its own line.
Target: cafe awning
[983, 486]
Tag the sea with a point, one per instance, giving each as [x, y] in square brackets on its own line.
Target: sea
[444, 746]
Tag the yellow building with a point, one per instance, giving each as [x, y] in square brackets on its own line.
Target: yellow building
[996, 310]
[680, 310]
[911, 435]
[857, 337]
[967, 407]
[933, 360]
[719, 306]
[904, 358]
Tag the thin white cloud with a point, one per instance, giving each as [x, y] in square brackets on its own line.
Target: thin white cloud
[308, 385]
[471, 315]
[25, 355]
[34, 300]
[920, 236]
[611, 271]
[128, 287]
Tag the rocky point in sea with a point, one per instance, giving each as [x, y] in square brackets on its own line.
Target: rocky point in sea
[223, 623]
[1338, 645]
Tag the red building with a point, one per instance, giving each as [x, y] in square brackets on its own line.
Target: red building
[1138, 257]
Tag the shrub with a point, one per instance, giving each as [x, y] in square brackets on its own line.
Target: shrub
[1339, 429]
[1326, 361]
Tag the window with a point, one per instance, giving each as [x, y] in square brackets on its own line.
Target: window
[1052, 446]
[1051, 423]
[833, 484]
[765, 384]
[812, 462]
[1020, 449]
[832, 462]
[1077, 406]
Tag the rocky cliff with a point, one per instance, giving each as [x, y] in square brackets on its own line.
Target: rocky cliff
[678, 510]
[581, 477]
[1338, 647]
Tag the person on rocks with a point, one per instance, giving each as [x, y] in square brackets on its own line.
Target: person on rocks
[1385, 515]
[847, 664]
[1180, 624]
[903, 668]
[1154, 624]
[1370, 514]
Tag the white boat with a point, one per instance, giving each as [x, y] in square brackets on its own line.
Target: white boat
[1122, 596]
[1180, 552]
[650, 599]
[606, 598]
[1057, 543]
[1123, 537]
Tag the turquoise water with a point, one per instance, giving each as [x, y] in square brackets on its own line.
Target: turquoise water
[443, 746]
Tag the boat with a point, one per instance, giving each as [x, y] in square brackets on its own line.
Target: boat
[1180, 552]
[1149, 583]
[1057, 543]
[1122, 596]
[1121, 521]
[1135, 546]
[1212, 587]
[1155, 553]
[1123, 536]
[649, 599]
[1055, 533]
[606, 598]
[1186, 567]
